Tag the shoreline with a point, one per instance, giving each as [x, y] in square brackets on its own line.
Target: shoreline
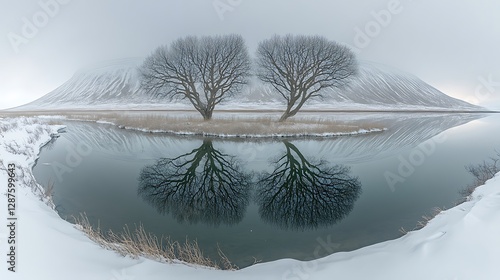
[253, 110]
[238, 124]
[225, 127]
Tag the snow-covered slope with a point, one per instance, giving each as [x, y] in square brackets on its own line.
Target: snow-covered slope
[116, 85]
[112, 83]
[376, 87]
[382, 85]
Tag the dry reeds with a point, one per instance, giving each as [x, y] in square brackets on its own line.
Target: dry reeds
[481, 172]
[48, 190]
[425, 220]
[140, 243]
[241, 124]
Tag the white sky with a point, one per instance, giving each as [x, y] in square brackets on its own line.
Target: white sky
[453, 45]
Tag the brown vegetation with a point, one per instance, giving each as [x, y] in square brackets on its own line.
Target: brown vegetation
[230, 125]
[140, 243]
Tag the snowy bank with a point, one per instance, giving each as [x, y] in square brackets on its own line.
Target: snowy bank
[460, 243]
[226, 125]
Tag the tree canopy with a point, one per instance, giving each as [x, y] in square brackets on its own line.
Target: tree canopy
[203, 70]
[301, 67]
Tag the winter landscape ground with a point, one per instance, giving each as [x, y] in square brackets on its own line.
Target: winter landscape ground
[232, 139]
[459, 243]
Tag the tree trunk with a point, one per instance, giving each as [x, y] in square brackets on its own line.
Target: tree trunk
[286, 114]
[206, 117]
[204, 111]
[283, 117]
[207, 114]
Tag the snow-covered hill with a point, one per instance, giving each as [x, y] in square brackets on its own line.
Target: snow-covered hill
[377, 84]
[116, 85]
[114, 82]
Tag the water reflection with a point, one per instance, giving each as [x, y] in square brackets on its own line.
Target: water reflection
[303, 193]
[404, 131]
[105, 184]
[208, 186]
[203, 185]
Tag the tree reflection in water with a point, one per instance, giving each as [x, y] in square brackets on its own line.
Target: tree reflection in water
[208, 186]
[305, 194]
[204, 185]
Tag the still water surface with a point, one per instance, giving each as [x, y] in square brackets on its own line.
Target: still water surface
[268, 199]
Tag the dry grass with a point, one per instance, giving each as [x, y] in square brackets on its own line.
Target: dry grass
[482, 172]
[8, 126]
[264, 126]
[425, 220]
[140, 243]
[251, 124]
[48, 190]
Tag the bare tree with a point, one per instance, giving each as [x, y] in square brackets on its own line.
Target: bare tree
[303, 193]
[205, 71]
[300, 67]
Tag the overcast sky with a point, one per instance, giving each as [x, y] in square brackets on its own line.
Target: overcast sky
[453, 45]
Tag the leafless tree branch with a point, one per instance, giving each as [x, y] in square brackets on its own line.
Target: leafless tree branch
[204, 70]
[300, 67]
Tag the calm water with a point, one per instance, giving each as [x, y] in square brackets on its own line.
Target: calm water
[268, 199]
